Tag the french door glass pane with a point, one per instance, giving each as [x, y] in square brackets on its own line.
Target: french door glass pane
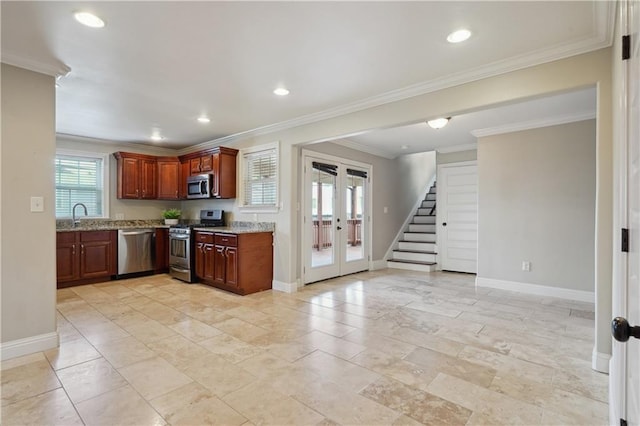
[323, 186]
[354, 202]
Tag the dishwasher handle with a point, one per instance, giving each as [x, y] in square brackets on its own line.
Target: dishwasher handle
[135, 233]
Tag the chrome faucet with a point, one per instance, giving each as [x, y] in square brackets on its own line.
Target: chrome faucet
[73, 213]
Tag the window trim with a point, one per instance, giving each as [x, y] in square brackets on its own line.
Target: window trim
[105, 177]
[243, 167]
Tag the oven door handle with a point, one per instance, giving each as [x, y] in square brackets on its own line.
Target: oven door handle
[179, 269]
[179, 237]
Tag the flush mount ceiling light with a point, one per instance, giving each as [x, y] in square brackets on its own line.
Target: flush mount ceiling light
[204, 120]
[89, 19]
[404, 147]
[459, 36]
[438, 123]
[281, 91]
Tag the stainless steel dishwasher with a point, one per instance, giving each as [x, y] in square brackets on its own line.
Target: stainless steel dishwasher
[136, 250]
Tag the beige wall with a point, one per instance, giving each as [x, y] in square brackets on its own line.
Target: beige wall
[28, 239]
[456, 157]
[536, 203]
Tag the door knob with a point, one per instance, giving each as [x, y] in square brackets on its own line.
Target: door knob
[621, 330]
[444, 223]
[339, 228]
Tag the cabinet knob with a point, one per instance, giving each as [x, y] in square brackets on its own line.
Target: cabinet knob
[73, 248]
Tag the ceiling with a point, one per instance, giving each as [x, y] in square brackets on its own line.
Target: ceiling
[158, 66]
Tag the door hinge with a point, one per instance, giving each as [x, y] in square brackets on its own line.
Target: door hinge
[624, 240]
[623, 422]
[626, 47]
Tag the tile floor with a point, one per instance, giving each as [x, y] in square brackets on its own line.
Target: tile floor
[386, 347]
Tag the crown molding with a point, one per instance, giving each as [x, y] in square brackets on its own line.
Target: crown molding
[112, 144]
[348, 143]
[457, 148]
[533, 124]
[55, 70]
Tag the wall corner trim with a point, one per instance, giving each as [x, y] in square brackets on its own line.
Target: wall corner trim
[600, 361]
[284, 287]
[539, 290]
[28, 345]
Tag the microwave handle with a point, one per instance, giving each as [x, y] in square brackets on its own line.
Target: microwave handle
[203, 188]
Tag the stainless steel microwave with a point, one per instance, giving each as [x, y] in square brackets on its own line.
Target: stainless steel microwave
[199, 186]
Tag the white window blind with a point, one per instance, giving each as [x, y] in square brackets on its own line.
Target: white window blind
[79, 180]
[260, 178]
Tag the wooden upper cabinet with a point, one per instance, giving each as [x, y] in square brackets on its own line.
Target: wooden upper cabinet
[148, 179]
[220, 162]
[137, 175]
[185, 172]
[169, 178]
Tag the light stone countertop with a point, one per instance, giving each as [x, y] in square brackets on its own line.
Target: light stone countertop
[65, 225]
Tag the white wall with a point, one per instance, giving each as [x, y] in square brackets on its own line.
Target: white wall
[536, 203]
[28, 266]
[456, 157]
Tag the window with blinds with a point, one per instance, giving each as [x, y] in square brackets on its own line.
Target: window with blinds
[79, 180]
[260, 178]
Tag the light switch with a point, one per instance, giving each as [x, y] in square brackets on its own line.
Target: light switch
[385, 209]
[37, 204]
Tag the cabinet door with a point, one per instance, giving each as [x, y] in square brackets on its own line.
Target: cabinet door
[168, 180]
[215, 166]
[130, 180]
[95, 259]
[194, 166]
[219, 264]
[206, 164]
[185, 172]
[149, 179]
[231, 266]
[209, 262]
[200, 261]
[226, 176]
[67, 255]
[162, 250]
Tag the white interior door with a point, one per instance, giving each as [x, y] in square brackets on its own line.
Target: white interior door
[335, 218]
[633, 215]
[625, 365]
[457, 216]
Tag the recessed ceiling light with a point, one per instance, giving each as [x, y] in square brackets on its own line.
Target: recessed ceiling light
[156, 137]
[404, 147]
[204, 119]
[281, 91]
[458, 36]
[89, 19]
[438, 123]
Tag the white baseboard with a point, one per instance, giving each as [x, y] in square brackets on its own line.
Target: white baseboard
[539, 290]
[285, 287]
[374, 265]
[600, 361]
[28, 345]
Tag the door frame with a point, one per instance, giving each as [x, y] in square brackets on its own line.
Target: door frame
[439, 201]
[305, 238]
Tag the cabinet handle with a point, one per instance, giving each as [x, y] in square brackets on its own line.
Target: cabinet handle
[82, 249]
[73, 248]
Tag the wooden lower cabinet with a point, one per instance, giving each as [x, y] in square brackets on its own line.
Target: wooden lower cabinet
[241, 263]
[84, 257]
[162, 250]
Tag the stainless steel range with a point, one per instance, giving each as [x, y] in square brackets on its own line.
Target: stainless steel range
[181, 244]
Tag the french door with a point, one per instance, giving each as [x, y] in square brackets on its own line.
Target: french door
[335, 218]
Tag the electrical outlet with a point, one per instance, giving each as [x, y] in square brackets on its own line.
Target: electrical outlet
[526, 265]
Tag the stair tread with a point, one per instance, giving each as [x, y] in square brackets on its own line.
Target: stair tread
[413, 232]
[417, 262]
[415, 251]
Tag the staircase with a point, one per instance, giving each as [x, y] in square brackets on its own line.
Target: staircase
[417, 249]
